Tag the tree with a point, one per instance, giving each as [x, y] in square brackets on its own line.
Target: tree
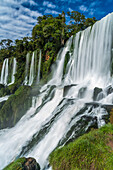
[6, 43]
[78, 22]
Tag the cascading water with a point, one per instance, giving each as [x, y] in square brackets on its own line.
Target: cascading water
[92, 53]
[32, 70]
[68, 105]
[2, 72]
[13, 72]
[30, 73]
[39, 66]
[5, 72]
[26, 68]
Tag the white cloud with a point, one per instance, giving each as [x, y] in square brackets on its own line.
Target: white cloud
[92, 11]
[32, 3]
[93, 4]
[48, 11]
[70, 10]
[48, 4]
[16, 19]
[83, 8]
[70, 1]
[26, 19]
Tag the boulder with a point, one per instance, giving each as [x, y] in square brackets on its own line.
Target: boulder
[31, 164]
[67, 88]
[81, 92]
[96, 92]
[109, 90]
[1, 86]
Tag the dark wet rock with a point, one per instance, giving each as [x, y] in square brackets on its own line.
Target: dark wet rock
[96, 93]
[1, 86]
[4, 90]
[67, 88]
[108, 107]
[81, 92]
[100, 96]
[31, 164]
[2, 103]
[94, 104]
[109, 90]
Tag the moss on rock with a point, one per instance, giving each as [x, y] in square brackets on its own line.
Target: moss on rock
[15, 107]
[111, 116]
[16, 165]
[23, 164]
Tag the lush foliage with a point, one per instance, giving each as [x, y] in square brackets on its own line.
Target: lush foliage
[14, 108]
[49, 34]
[23, 164]
[17, 165]
[90, 151]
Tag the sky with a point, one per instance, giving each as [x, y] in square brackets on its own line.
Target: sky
[18, 17]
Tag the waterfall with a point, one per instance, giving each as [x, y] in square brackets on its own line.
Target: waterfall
[58, 74]
[4, 72]
[92, 53]
[3, 98]
[32, 70]
[27, 68]
[39, 66]
[13, 71]
[70, 103]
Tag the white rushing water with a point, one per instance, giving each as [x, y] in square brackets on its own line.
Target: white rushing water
[2, 72]
[5, 73]
[3, 98]
[69, 104]
[39, 67]
[91, 58]
[26, 68]
[32, 70]
[13, 72]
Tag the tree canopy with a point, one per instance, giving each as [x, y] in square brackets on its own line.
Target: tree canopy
[49, 34]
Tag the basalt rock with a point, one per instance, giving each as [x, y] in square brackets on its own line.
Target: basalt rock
[96, 92]
[31, 164]
[67, 88]
[109, 90]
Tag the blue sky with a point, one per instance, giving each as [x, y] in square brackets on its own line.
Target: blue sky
[17, 17]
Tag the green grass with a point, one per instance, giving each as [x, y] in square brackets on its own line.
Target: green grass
[90, 151]
[16, 165]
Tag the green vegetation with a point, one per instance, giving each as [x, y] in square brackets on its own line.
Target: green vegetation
[90, 151]
[111, 116]
[15, 107]
[23, 164]
[49, 34]
[16, 165]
